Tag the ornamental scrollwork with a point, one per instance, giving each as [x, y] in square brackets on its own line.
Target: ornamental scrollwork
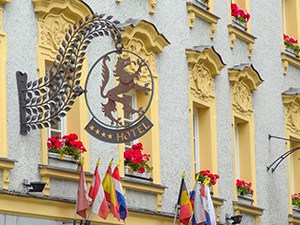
[241, 96]
[53, 32]
[44, 101]
[138, 47]
[293, 116]
[202, 82]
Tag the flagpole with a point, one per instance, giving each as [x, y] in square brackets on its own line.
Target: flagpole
[179, 198]
[175, 216]
[74, 221]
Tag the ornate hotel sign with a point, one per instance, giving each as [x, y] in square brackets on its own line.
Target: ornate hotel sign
[115, 85]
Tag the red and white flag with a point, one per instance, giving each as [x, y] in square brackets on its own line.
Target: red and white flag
[82, 195]
[96, 193]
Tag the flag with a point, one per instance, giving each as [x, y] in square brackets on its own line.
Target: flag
[96, 193]
[110, 192]
[208, 206]
[82, 196]
[186, 210]
[199, 213]
[119, 191]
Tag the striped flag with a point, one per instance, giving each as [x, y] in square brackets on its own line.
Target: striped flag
[120, 196]
[82, 196]
[96, 193]
[110, 192]
[199, 213]
[208, 205]
[186, 210]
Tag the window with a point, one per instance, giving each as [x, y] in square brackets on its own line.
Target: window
[242, 150]
[144, 39]
[244, 79]
[290, 22]
[204, 64]
[52, 27]
[129, 118]
[196, 140]
[295, 167]
[58, 129]
[291, 101]
[290, 18]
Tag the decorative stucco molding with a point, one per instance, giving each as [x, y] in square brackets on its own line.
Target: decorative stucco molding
[291, 101]
[204, 64]
[3, 101]
[5, 166]
[287, 60]
[151, 6]
[196, 11]
[235, 32]
[143, 38]
[243, 80]
[54, 19]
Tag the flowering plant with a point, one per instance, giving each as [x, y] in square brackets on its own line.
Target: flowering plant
[67, 145]
[296, 199]
[243, 188]
[136, 160]
[239, 13]
[207, 178]
[290, 43]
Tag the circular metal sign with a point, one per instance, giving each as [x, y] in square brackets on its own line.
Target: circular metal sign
[119, 90]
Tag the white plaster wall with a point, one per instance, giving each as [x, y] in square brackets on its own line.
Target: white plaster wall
[172, 21]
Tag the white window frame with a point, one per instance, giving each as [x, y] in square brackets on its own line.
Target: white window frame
[292, 174]
[63, 120]
[237, 151]
[196, 140]
[283, 17]
[133, 96]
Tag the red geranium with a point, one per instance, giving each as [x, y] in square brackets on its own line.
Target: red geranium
[291, 43]
[243, 187]
[239, 13]
[136, 160]
[206, 177]
[296, 199]
[68, 145]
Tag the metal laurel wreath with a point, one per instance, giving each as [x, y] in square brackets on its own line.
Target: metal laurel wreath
[44, 101]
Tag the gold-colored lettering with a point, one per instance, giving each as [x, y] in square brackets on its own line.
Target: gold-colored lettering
[126, 137]
[140, 129]
[145, 126]
[133, 131]
[120, 136]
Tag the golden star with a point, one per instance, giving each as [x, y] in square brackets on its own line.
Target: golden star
[103, 134]
[92, 127]
[97, 131]
[109, 136]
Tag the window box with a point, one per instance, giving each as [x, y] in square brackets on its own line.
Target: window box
[291, 52]
[239, 24]
[146, 175]
[246, 199]
[296, 211]
[203, 4]
[67, 162]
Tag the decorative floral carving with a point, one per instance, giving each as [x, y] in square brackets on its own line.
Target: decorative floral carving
[152, 6]
[293, 116]
[241, 96]
[202, 82]
[53, 32]
[138, 47]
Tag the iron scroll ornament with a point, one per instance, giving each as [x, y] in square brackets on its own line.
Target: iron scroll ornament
[127, 74]
[42, 102]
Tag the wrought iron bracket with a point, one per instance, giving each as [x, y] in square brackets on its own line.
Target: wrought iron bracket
[44, 101]
[281, 158]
